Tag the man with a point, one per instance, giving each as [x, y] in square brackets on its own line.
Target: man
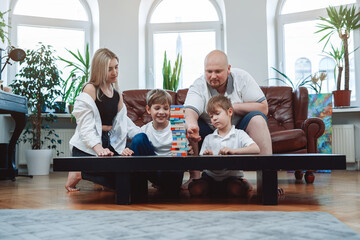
[248, 100]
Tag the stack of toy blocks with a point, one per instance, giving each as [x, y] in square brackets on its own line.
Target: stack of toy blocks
[177, 121]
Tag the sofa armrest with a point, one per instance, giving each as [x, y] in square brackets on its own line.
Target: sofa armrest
[313, 128]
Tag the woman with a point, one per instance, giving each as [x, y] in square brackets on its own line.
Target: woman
[102, 123]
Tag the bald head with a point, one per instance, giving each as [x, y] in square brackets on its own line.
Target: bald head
[218, 57]
[217, 70]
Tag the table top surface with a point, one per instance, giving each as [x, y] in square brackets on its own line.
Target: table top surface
[229, 162]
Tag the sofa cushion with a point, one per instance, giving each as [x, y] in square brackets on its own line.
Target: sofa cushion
[281, 139]
[280, 104]
[181, 96]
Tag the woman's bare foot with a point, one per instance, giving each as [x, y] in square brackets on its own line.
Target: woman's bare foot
[281, 193]
[73, 179]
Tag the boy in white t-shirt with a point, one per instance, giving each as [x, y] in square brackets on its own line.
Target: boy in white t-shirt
[158, 140]
[225, 140]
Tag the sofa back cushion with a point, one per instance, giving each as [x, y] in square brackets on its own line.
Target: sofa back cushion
[135, 101]
[283, 106]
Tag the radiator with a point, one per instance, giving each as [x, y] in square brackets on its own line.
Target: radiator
[64, 135]
[343, 141]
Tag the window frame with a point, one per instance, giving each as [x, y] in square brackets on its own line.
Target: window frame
[33, 21]
[283, 19]
[174, 27]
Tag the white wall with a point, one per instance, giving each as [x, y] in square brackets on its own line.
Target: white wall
[247, 37]
[119, 32]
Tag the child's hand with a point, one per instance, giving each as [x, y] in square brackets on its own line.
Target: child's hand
[127, 152]
[191, 150]
[225, 151]
[208, 152]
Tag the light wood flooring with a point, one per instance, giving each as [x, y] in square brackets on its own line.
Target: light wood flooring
[337, 193]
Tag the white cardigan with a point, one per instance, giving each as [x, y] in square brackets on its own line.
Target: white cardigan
[88, 130]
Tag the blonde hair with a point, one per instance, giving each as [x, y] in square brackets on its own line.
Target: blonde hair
[100, 67]
[158, 96]
[218, 101]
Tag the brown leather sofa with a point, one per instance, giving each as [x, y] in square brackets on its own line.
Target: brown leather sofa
[290, 128]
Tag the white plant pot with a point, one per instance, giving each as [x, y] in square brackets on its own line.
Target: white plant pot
[38, 161]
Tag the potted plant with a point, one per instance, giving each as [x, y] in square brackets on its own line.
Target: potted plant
[338, 56]
[171, 78]
[79, 75]
[313, 81]
[341, 21]
[39, 80]
[3, 26]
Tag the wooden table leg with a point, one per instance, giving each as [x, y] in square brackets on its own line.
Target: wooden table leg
[139, 187]
[267, 184]
[123, 188]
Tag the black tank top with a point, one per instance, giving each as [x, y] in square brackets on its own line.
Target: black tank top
[108, 107]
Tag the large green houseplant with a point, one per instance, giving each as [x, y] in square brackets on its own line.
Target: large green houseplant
[340, 22]
[171, 76]
[3, 27]
[79, 75]
[38, 80]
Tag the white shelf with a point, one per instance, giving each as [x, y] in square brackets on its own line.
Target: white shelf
[346, 109]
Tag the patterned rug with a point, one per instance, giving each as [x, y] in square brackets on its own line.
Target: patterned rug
[84, 224]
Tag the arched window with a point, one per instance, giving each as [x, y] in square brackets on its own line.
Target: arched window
[328, 65]
[191, 28]
[297, 24]
[63, 24]
[302, 69]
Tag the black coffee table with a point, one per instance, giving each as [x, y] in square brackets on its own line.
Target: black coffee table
[131, 187]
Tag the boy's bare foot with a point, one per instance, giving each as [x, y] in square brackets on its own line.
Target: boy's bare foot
[73, 179]
[185, 186]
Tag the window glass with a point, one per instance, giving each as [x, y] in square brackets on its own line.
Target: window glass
[63, 9]
[193, 46]
[184, 11]
[59, 39]
[302, 69]
[292, 6]
[301, 42]
[328, 65]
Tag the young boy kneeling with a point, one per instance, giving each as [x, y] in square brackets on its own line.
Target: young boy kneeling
[158, 141]
[225, 140]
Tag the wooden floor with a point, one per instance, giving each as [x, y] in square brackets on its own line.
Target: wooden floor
[337, 193]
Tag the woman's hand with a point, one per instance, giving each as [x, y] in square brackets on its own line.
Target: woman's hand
[127, 152]
[100, 151]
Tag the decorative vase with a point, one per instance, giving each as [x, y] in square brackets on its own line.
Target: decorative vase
[71, 107]
[342, 98]
[38, 161]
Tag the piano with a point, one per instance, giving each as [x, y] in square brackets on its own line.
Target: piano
[16, 106]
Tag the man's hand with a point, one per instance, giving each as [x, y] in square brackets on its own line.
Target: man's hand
[193, 133]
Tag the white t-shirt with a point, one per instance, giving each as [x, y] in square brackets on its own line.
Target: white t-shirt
[236, 138]
[160, 139]
[241, 87]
